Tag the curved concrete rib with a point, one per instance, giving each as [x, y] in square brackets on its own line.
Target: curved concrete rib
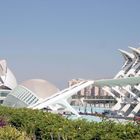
[61, 97]
[126, 54]
[136, 52]
[129, 60]
[135, 110]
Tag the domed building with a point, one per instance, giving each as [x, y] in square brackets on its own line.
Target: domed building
[7, 80]
[29, 93]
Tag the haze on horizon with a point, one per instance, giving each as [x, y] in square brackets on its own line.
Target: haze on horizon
[60, 40]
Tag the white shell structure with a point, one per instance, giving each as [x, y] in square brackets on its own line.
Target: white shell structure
[41, 88]
[10, 80]
[7, 78]
[7, 81]
[30, 92]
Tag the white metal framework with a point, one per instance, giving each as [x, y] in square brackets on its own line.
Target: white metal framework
[61, 97]
[125, 92]
[129, 96]
[125, 88]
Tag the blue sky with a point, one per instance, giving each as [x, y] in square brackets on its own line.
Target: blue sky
[58, 40]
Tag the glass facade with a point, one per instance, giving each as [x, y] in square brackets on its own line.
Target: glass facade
[20, 97]
[3, 94]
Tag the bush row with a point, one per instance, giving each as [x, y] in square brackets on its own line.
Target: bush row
[39, 125]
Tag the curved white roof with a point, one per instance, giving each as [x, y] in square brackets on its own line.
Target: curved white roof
[10, 80]
[41, 88]
[6, 76]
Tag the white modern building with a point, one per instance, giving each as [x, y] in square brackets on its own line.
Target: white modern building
[29, 93]
[128, 97]
[124, 89]
[7, 81]
[39, 94]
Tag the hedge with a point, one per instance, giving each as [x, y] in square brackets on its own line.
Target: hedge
[39, 125]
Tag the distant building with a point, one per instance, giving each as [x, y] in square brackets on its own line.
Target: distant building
[91, 91]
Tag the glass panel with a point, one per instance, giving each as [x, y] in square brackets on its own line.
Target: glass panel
[4, 94]
[30, 98]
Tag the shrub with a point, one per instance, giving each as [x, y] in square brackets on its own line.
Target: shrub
[9, 133]
[41, 125]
